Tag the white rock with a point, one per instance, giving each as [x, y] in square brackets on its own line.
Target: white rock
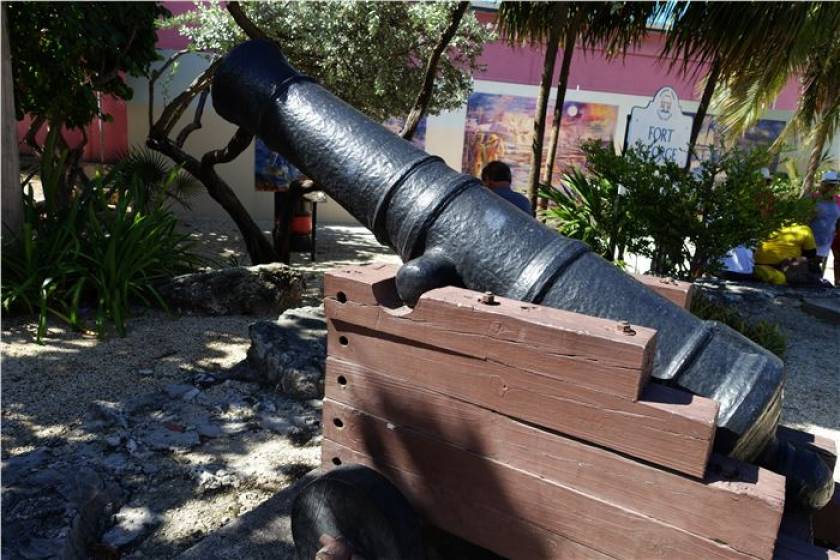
[132, 523]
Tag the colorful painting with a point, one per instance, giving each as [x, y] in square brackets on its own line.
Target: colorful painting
[764, 133]
[274, 173]
[500, 127]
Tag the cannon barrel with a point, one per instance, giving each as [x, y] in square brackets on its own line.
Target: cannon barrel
[449, 229]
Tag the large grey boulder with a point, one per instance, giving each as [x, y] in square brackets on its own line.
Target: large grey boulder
[289, 353]
[266, 289]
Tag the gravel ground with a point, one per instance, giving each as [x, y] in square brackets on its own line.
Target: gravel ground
[336, 246]
[812, 358]
[48, 389]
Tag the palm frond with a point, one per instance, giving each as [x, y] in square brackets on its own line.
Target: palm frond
[156, 176]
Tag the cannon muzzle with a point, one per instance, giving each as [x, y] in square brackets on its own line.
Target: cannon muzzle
[449, 229]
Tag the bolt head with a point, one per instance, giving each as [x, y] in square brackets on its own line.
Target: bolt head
[625, 327]
[487, 298]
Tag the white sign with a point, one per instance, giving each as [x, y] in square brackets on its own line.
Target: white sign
[662, 126]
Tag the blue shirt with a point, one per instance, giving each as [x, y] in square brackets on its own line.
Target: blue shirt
[828, 212]
[514, 198]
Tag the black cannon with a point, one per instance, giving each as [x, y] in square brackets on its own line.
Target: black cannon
[449, 230]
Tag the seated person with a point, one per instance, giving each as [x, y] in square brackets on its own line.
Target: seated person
[496, 177]
[789, 256]
[738, 264]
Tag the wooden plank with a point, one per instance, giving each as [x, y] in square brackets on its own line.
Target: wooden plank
[371, 284]
[666, 427]
[575, 348]
[790, 548]
[478, 480]
[583, 349]
[738, 504]
[675, 291]
[486, 524]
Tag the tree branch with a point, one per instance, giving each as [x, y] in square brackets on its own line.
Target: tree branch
[175, 109]
[259, 248]
[153, 78]
[240, 141]
[243, 21]
[424, 96]
[176, 154]
[697, 124]
[196, 122]
[34, 128]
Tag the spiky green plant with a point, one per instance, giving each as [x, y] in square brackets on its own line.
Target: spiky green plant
[106, 251]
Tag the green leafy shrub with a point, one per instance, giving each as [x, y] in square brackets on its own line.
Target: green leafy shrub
[685, 221]
[585, 209]
[105, 251]
[764, 333]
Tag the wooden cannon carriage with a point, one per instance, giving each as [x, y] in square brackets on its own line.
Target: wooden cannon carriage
[534, 433]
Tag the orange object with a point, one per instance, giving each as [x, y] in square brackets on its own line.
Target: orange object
[302, 225]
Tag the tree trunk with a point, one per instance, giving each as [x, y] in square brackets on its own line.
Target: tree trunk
[816, 155]
[539, 118]
[258, 246]
[12, 199]
[424, 96]
[562, 86]
[703, 107]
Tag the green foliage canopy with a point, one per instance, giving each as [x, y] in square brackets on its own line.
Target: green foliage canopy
[613, 26]
[371, 54]
[65, 53]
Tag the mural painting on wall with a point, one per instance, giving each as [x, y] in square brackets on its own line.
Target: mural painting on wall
[274, 173]
[764, 133]
[500, 127]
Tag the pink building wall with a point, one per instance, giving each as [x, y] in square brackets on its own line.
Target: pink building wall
[170, 38]
[639, 73]
[107, 140]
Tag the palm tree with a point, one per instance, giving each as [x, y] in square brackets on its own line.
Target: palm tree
[614, 25]
[537, 23]
[812, 54]
[819, 109]
[750, 49]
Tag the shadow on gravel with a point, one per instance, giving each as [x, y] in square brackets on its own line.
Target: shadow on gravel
[134, 445]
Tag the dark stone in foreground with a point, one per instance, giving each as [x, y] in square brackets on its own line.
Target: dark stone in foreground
[289, 353]
[266, 289]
